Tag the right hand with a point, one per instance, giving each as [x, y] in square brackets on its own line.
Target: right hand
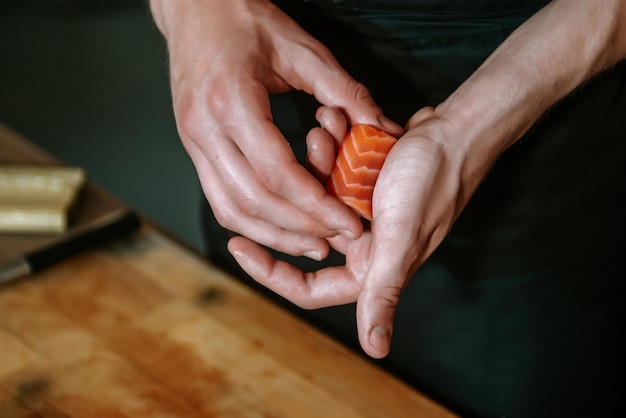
[226, 57]
[427, 178]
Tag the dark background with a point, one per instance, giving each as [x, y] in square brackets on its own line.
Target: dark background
[87, 80]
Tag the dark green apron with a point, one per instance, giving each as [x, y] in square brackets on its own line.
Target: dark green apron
[520, 312]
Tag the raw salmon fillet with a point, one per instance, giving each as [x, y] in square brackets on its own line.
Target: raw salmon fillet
[356, 169]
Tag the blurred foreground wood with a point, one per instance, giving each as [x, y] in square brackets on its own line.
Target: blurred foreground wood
[145, 328]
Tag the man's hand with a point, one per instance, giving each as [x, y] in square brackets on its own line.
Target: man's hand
[226, 58]
[418, 195]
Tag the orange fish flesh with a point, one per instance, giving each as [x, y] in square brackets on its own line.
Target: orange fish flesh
[359, 160]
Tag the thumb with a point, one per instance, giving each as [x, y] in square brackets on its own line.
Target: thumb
[376, 308]
[393, 260]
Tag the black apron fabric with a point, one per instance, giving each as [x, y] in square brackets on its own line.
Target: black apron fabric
[520, 312]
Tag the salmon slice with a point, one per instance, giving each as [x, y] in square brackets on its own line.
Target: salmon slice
[360, 158]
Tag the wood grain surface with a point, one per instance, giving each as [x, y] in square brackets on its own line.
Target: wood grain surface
[144, 328]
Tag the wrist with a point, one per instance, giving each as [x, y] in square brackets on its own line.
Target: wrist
[543, 61]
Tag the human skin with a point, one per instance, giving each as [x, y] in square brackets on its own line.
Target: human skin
[428, 177]
[226, 58]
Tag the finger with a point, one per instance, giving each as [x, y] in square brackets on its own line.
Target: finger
[377, 303]
[327, 287]
[341, 91]
[231, 216]
[320, 153]
[248, 197]
[391, 260]
[320, 74]
[376, 308]
[278, 171]
[339, 243]
[334, 122]
[284, 241]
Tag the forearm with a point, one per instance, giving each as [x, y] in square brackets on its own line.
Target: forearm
[169, 14]
[163, 12]
[547, 57]
[215, 15]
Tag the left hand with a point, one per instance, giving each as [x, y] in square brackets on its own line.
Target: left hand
[418, 195]
[432, 171]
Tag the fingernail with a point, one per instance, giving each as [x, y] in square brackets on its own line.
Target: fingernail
[380, 337]
[388, 123]
[314, 255]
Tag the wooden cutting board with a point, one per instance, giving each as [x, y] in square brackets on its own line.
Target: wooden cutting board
[142, 327]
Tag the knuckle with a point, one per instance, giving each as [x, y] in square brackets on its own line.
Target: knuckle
[362, 99]
[249, 206]
[218, 100]
[315, 212]
[271, 177]
[188, 118]
[388, 297]
[227, 219]
[193, 110]
[359, 91]
[305, 299]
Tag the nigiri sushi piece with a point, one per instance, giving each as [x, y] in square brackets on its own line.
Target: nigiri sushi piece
[358, 163]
